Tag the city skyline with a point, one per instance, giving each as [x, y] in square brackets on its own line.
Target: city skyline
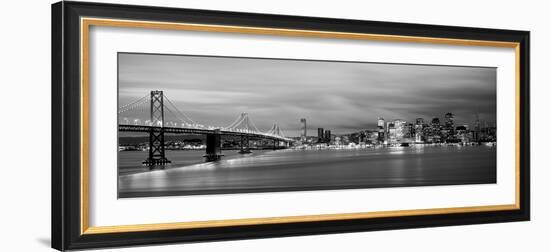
[373, 126]
[340, 96]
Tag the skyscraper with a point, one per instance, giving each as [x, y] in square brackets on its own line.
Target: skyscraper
[304, 129]
[391, 135]
[320, 135]
[418, 130]
[400, 130]
[380, 122]
[381, 130]
[449, 121]
[477, 129]
[449, 125]
[435, 122]
[327, 136]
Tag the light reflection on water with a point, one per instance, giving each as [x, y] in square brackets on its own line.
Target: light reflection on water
[316, 169]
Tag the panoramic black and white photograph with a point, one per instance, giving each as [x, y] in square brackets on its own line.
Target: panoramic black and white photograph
[199, 124]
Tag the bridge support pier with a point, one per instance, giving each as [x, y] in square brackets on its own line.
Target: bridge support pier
[275, 144]
[156, 148]
[213, 146]
[245, 145]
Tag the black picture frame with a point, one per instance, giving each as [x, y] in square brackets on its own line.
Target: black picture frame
[66, 126]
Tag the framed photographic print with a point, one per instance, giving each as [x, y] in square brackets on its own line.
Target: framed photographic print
[181, 125]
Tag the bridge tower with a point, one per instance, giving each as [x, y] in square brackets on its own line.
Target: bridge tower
[276, 131]
[156, 133]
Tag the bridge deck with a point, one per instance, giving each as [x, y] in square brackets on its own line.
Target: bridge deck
[195, 131]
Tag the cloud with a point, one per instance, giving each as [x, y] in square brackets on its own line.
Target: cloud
[340, 96]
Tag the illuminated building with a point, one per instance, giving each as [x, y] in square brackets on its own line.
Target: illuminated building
[380, 122]
[327, 136]
[391, 132]
[381, 130]
[304, 129]
[435, 122]
[449, 121]
[400, 129]
[418, 130]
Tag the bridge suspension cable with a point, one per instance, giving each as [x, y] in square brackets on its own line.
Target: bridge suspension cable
[174, 114]
[244, 122]
[178, 111]
[236, 122]
[275, 130]
[281, 133]
[133, 105]
[249, 121]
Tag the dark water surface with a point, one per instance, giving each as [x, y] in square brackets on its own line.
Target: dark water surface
[290, 170]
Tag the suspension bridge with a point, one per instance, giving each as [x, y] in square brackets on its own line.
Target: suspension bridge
[157, 115]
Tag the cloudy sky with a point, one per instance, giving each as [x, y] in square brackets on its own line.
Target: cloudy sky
[341, 96]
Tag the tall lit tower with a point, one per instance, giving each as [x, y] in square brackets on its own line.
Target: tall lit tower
[435, 122]
[320, 135]
[449, 120]
[399, 128]
[450, 123]
[477, 129]
[327, 136]
[380, 122]
[418, 128]
[381, 130]
[304, 129]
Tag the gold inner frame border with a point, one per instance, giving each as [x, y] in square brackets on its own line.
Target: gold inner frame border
[86, 23]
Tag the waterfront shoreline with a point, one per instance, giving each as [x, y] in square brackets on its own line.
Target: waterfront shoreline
[291, 170]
